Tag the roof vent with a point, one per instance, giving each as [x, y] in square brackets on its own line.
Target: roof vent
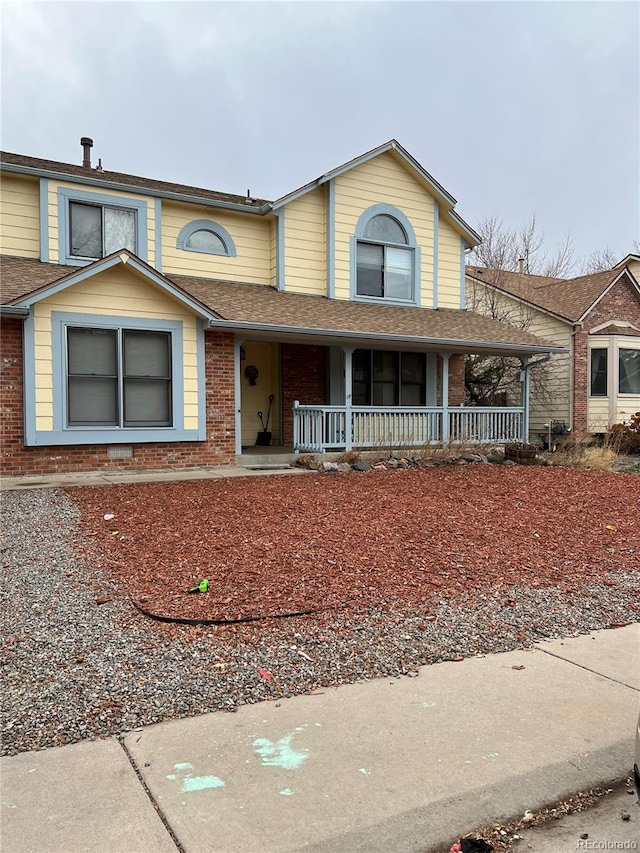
[87, 145]
[521, 266]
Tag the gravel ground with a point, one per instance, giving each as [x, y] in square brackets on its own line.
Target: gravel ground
[74, 669]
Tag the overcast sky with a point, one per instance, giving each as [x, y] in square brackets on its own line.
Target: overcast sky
[514, 107]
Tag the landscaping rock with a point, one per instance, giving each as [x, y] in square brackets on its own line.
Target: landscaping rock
[361, 465]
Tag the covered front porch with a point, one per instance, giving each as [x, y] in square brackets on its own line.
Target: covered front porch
[327, 398]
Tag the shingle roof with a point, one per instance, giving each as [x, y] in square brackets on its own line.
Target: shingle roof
[258, 304]
[569, 298]
[126, 180]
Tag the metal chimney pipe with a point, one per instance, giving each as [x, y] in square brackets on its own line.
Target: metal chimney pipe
[521, 266]
[87, 145]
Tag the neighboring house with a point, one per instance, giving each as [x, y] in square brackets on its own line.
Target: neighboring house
[596, 317]
[146, 324]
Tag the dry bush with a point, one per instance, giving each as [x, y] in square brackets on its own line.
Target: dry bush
[625, 437]
[580, 450]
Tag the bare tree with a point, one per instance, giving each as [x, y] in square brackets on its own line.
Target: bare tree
[502, 248]
[603, 259]
[495, 380]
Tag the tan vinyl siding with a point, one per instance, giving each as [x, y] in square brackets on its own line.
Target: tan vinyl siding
[147, 239]
[382, 181]
[251, 236]
[305, 245]
[550, 392]
[448, 265]
[19, 216]
[117, 293]
[634, 267]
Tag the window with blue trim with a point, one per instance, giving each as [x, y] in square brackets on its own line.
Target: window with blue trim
[386, 257]
[118, 377]
[207, 237]
[99, 230]
[93, 225]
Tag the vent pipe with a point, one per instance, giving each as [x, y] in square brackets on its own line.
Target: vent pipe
[521, 266]
[87, 145]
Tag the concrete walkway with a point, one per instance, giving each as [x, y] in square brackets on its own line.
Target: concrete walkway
[114, 478]
[389, 765]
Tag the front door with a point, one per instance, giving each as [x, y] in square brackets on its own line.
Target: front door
[259, 380]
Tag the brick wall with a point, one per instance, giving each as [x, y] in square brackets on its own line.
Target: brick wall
[456, 380]
[218, 449]
[304, 378]
[620, 303]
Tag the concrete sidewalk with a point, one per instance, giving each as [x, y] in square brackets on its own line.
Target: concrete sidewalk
[114, 478]
[389, 765]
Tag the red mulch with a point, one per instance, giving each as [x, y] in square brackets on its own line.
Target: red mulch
[272, 545]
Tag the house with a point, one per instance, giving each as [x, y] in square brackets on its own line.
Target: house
[596, 317]
[147, 324]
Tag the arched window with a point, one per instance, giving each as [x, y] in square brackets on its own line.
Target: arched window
[203, 235]
[385, 256]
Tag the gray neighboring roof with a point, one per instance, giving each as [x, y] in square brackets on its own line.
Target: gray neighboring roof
[259, 307]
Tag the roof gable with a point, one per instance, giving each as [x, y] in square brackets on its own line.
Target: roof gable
[121, 258]
[393, 147]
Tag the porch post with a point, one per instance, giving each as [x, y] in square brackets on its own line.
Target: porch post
[445, 395]
[348, 396]
[525, 380]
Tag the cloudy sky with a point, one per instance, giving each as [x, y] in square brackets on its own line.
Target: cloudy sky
[514, 107]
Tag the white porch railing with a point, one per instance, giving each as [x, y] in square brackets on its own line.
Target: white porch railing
[320, 428]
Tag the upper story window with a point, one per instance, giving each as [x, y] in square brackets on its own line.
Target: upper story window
[386, 257]
[93, 225]
[98, 230]
[210, 238]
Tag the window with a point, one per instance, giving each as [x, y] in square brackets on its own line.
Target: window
[99, 230]
[92, 225]
[207, 237]
[385, 256]
[384, 271]
[629, 371]
[388, 378]
[598, 372]
[118, 378]
[206, 241]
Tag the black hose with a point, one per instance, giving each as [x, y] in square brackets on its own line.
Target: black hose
[181, 620]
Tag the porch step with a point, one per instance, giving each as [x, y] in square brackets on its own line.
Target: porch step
[269, 461]
[278, 461]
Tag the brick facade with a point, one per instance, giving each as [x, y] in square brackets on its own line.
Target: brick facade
[218, 449]
[620, 303]
[456, 380]
[304, 378]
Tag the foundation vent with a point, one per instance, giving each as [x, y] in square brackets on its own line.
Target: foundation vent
[120, 451]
